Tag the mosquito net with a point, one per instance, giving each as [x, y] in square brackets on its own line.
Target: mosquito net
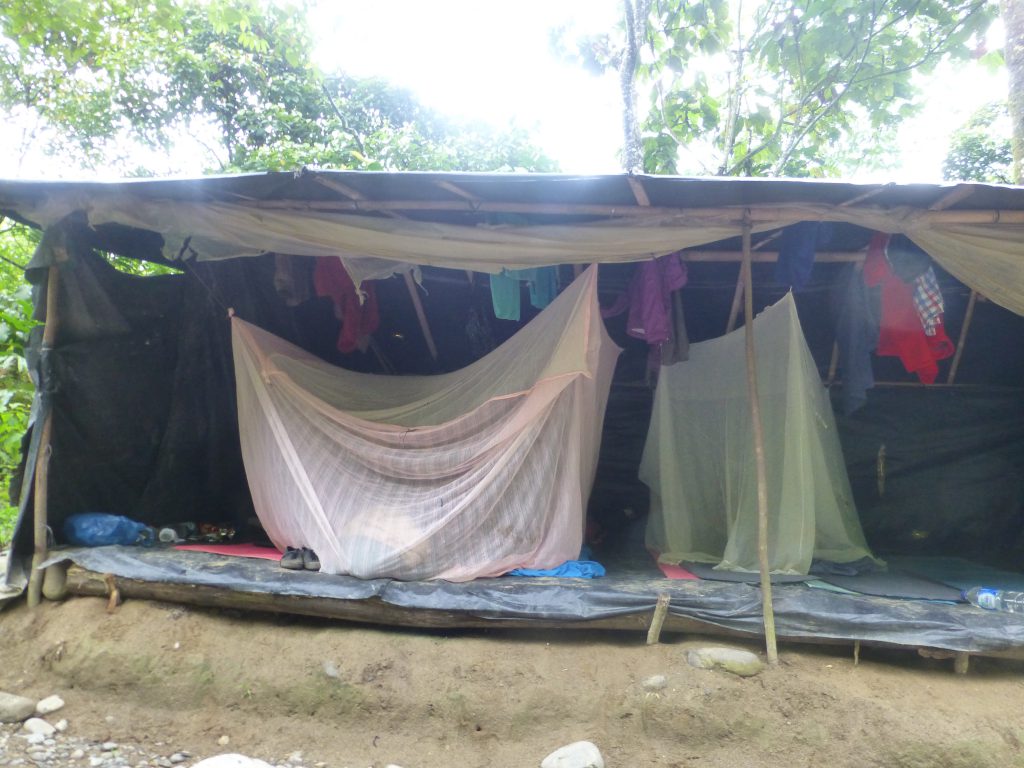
[456, 476]
[699, 456]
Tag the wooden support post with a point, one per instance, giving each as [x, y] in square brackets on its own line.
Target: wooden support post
[658, 619]
[43, 451]
[762, 475]
[577, 270]
[856, 652]
[410, 284]
[968, 316]
[961, 662]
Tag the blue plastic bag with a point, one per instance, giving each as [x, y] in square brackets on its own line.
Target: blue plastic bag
[99, 529]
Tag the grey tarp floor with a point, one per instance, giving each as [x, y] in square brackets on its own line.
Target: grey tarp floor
[632, 587]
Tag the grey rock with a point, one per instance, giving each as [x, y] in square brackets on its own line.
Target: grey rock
[49, 705]
[35, 738]
[14, 709]
[742, 663]
[580, 754]
[96, 762]
[163, 762]
[177, 757]
[655, 683]
[37, 725]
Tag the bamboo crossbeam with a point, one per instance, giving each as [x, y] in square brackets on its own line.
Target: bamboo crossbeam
[421, 315]
[866, 195]
[953, 197]
[968, 316]
[720, 216]
[639, 192]
[457, 190]
[768, 257]
[762, 472]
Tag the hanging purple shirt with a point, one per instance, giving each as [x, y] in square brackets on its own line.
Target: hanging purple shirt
[649, 299]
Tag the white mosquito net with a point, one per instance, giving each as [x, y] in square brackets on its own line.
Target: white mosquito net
[699, 456]
[456, 476]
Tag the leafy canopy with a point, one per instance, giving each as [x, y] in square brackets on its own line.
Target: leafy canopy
[783, 87]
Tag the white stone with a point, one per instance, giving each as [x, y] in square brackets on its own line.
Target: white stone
[37, 725]
[61, 725]
[231, 761]
[224, 740]
[295, 757]
[78, 754]
[742, 663]
[96, 762]
[49, 705]
[580, 754]
[14, 709]
[35, 738]
[655, 683]
[109, 746]
[177, 757]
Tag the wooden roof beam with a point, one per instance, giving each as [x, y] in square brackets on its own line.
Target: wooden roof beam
[639, 192]
[455, 189]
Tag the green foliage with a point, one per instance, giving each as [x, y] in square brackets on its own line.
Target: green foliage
[16, 246]
[980, 150]
[235, 74]
[785, 86]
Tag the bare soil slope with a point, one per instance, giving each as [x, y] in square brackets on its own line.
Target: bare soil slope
[356, 696]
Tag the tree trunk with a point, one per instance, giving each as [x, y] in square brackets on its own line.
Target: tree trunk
[1013, 18]
[636, 20]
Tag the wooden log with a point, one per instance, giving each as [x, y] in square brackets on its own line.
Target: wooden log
[43, 451]
[762, 478]
[369, 611]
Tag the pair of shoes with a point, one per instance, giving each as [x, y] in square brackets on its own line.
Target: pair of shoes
[292, 559]
[299, 559]
[310, 561]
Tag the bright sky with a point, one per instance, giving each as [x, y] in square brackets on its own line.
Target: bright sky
[493, 62]
[483, 60]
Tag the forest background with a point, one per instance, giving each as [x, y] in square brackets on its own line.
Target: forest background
[797, 88]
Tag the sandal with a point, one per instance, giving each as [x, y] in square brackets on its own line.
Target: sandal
[309, 560]
[292, 559]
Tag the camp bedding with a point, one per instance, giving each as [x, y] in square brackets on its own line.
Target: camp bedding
[699, 456]
[456, 476]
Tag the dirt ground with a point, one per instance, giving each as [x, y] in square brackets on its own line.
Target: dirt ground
[356, 696]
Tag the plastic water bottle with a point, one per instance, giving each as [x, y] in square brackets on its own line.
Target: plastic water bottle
[996, 599]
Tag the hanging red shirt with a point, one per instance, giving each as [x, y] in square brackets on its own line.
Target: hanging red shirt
[902, 334]
[358, 319]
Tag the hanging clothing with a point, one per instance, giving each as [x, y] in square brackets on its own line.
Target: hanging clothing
[542, 282]
[857, 337]
[929, 302]
[901, 333]
[797, 248]
[359, 319]
[652, 313]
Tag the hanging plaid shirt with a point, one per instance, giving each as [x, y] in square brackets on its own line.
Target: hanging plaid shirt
[928, 301]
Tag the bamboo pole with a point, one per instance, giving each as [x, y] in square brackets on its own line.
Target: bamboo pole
[723, 216]
[737, 299]
[421, 315]
[968, 316]
[43, 449]
[762, 479]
